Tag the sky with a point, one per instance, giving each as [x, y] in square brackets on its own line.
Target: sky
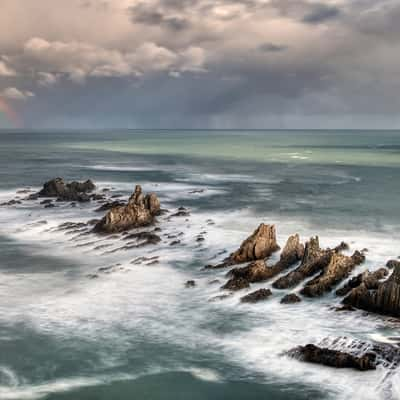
[200, 64]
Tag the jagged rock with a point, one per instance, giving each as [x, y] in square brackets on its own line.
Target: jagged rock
[255, 297]
[333, 358]
[236, 284]
[50, 205]
[175, 242]
[259, 245]
[140, 211]
[47, 201]
[314, 260]
[370, 279]
[73, 191]
[182, 212]
[258, 271]
[290, 298]
[385, 299]
[190, 284]
[345, 307]
[11, 202]
[339, 268]
[393, 264]
[33, 196]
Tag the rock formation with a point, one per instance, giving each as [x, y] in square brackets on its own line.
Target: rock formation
[290, 299]
[73, 191]
[255, 297]
[259, 245]
[140, 211]
[259, 271]
[370, 279]
[384, 299]
[393, 263]
[333, 358]
[339, 268]
[314, 260]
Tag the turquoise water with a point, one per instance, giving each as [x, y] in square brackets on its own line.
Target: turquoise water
[137, 332]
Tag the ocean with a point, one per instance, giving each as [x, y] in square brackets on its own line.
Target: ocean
[136, 331]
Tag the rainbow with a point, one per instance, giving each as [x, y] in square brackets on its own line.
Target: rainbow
[11, 116]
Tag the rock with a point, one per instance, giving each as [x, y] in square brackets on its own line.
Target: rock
[73, 191]
[258, 271]
[50, 205]
[144, 237]
[314, 260]
[47, 201]
[385, 299]
[259, 245]
[393, 264]
[33, 196]
[370, 279]
[180, 213]
[255, 297]
[140, 211]
[339, 268]
[220, 297]
[333, 358]
[92, 221]
[345, 307]
[290, 299]
[190, 284]
[175, 242]
[236, 284]
[12, 202]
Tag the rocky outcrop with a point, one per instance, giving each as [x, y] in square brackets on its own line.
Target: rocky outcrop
[259, 245]
[290, 298]
[140, 211]
[236, 284]
[393, 263]
[255, 297]
[338, 269]
[384, 299]
[370, 279]
[109, 205]
[259, 271]
[73, 191]
[314, 260]
[333, 358]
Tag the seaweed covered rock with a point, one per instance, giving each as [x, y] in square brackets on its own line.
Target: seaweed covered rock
[140, 211]
[314, 260]
[255, 297]
[73, 191]
[333, 358]
[339, 268]
[259, 245]
[384, 299]
[370, 279]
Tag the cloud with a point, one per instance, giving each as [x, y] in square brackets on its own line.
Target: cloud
[5, 70]
[272, 48]
[320, 13]
[47, 79]
[13, 93]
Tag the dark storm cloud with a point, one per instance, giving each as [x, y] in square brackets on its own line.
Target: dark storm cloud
[321, 13]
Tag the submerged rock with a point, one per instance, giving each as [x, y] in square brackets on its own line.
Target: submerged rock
[314, 260]
[140, 211]
[190, 284]
[290, 298]
[73, 191]
[370, 279]
[333, 358]
[12, 202]
[255, 297]
[384, 299]
[259, 245]
[338, 269]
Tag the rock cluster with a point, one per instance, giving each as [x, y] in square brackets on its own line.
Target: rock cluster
[140, 211]
[73, 191]
[255, 297]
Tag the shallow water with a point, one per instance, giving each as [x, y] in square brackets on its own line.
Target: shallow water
[135, 331]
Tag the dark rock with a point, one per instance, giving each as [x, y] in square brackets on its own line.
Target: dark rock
[109, 205]
[50, 205]
[236, 284]
[220, 297]
[33, 196]
[190, 284]
[182, 212]
[97, 196]
[370, 279]
[345, 307]
[385, 299]
[93, 221]
[175, 242]
[200, 239]
[11, 202]
[314, 260]
[140, 211]
[255, 297]
[197, 191]
[333, 358]
[47, 201]
[147, 237]
[393, 264]
[73, 191]
[290, 299]
[339, 268]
